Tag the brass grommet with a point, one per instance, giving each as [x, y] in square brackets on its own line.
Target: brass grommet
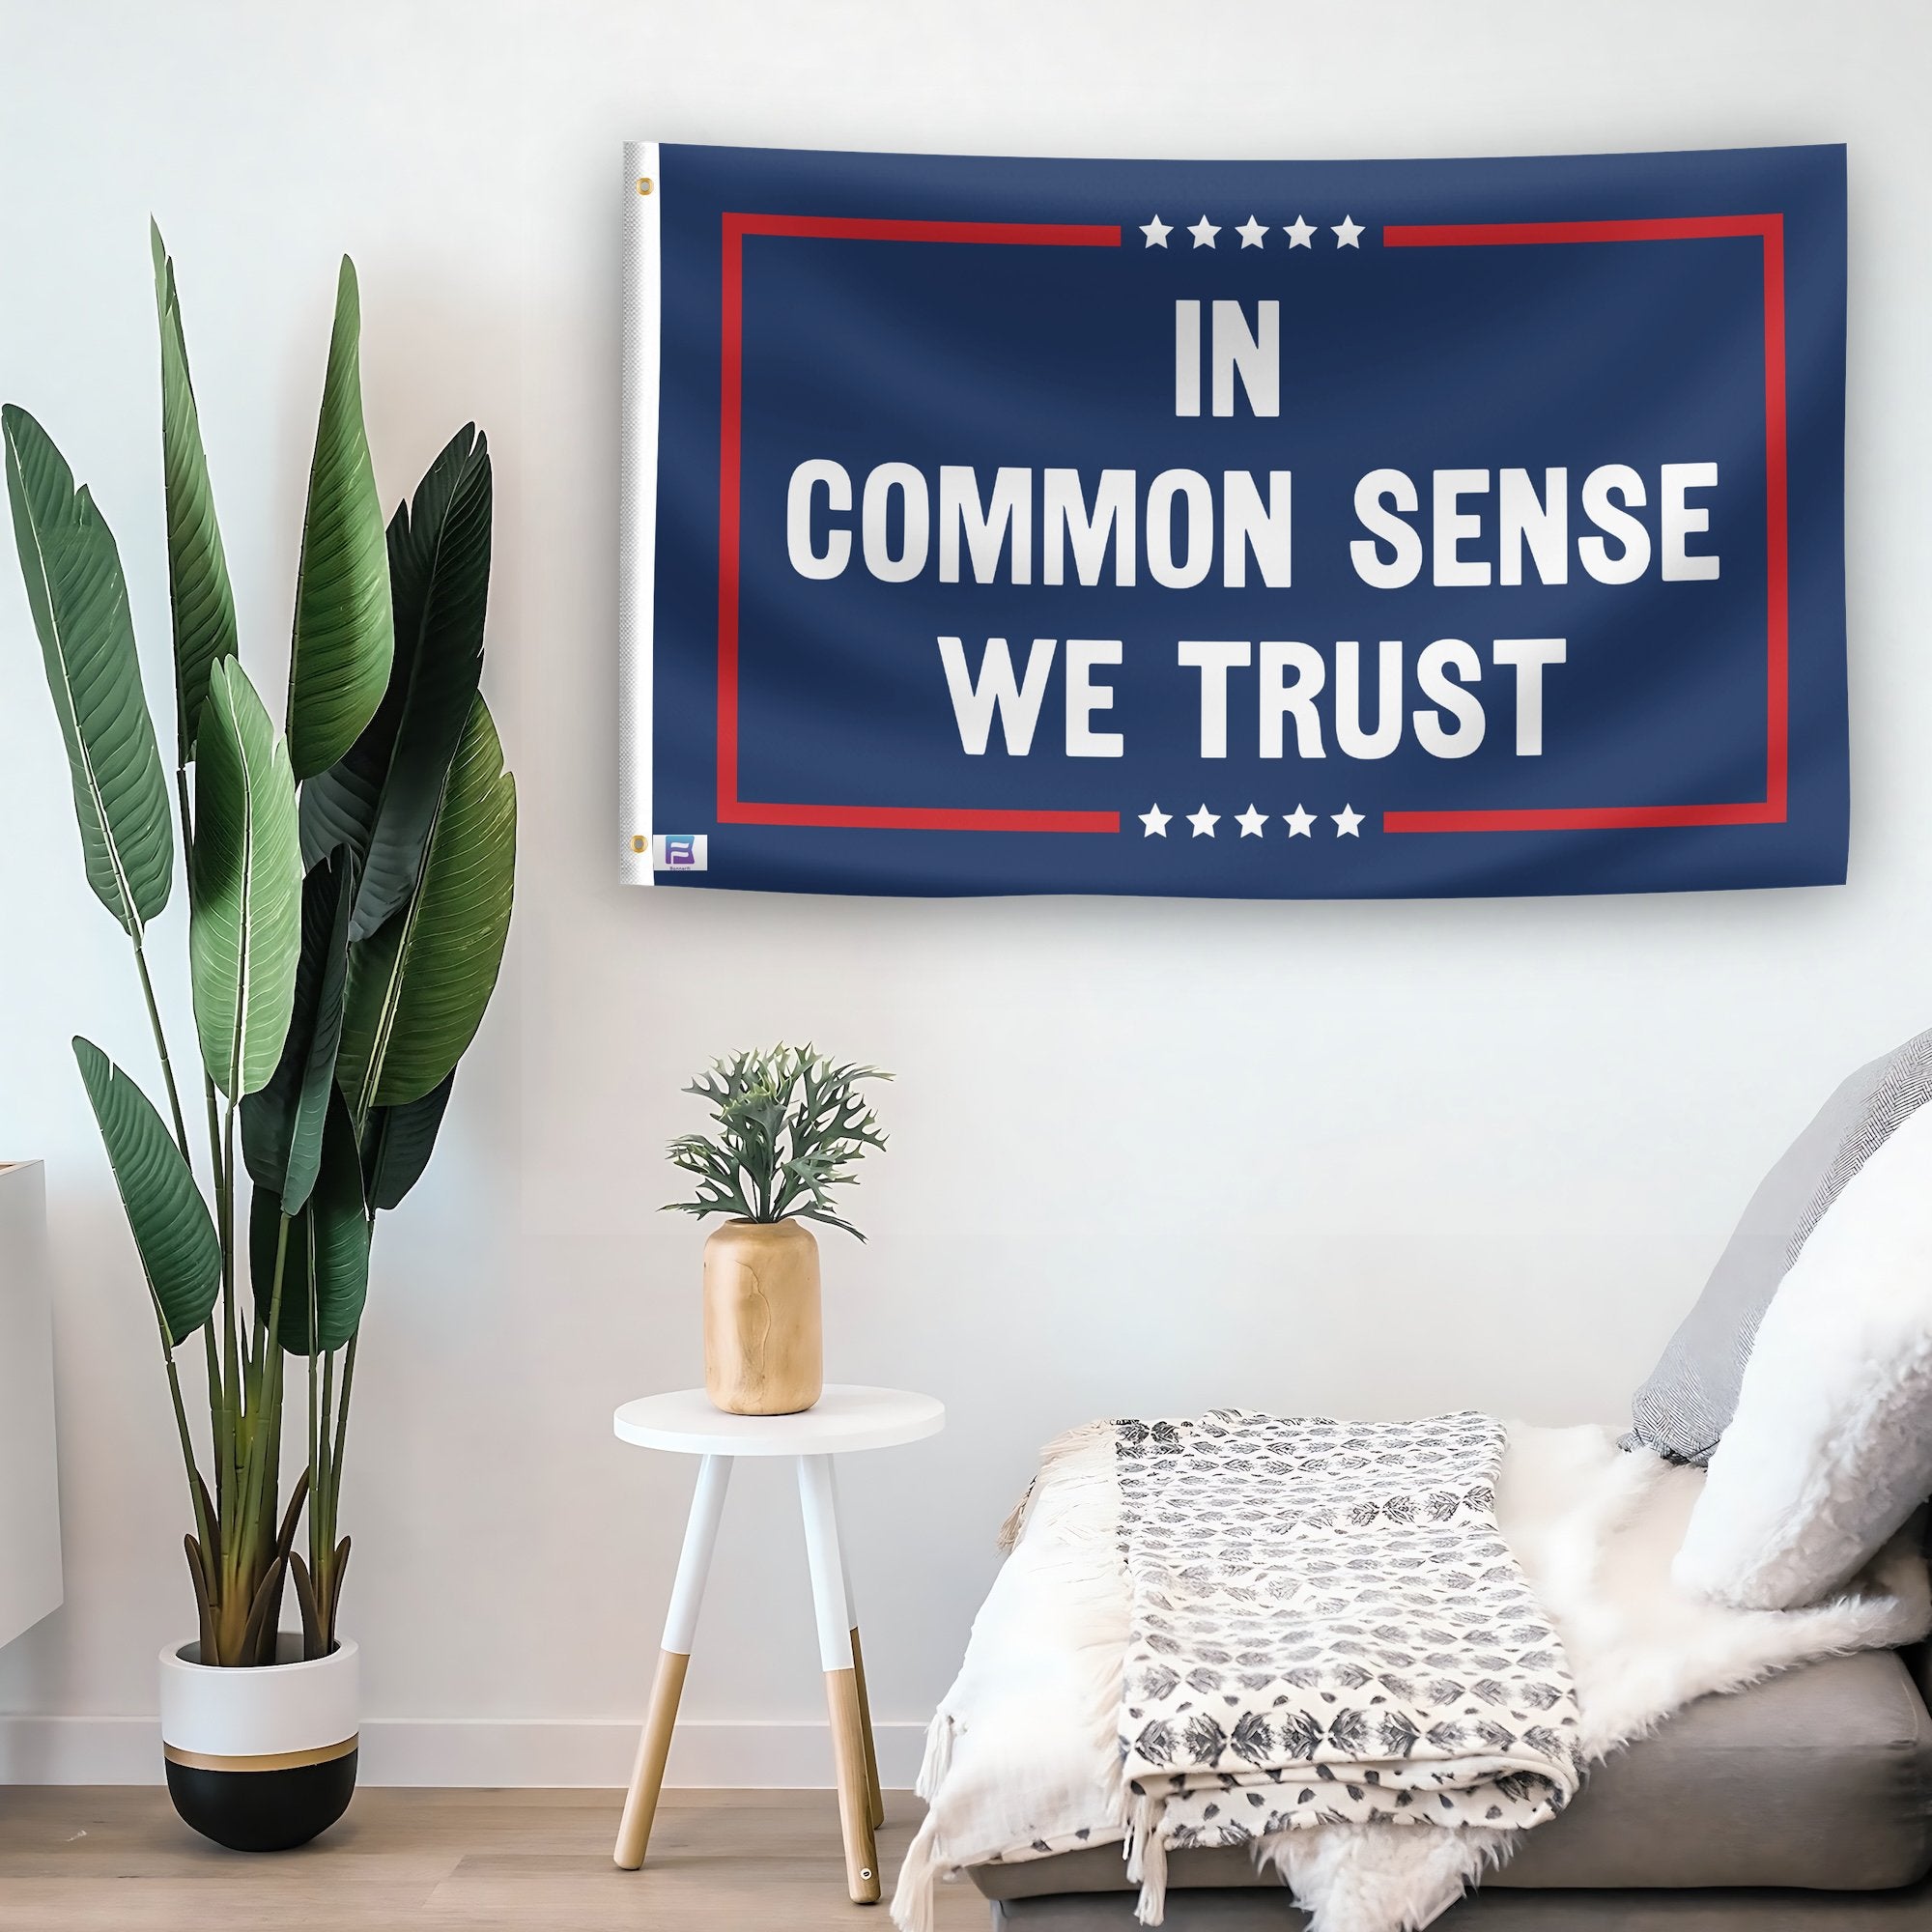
[643, 184]
[638, 841]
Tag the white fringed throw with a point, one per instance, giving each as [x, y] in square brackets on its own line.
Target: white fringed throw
[1023, 1758]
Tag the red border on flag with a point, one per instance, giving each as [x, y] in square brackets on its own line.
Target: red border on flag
[731, 808]
[1771, 810]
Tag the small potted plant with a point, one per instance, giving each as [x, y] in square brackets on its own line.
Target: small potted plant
[349, 888]
[790, 1126]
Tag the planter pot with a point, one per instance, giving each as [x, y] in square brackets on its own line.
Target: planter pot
[260, 1760]
[764, 1351]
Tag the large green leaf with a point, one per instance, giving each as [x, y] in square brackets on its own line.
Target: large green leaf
[80, 601]
[418, 987]
[198, 588]
[381, 798]
[281, 1125]
[173, 1233]
[244, 886]
[344, 635]
[398, 1142]
[326, 1263]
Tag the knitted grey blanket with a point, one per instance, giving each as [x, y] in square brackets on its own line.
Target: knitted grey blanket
[1327, 1627]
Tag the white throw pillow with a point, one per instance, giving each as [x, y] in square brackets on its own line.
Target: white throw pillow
[1830, 1449]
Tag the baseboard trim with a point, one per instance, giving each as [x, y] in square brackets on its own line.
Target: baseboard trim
[488, 1752]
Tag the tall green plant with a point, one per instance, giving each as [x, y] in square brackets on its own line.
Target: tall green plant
[350, 882]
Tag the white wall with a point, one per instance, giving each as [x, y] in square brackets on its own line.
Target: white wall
[1367, 1158]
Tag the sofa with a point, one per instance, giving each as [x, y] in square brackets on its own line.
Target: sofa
[1800, 1382]
[1801, 1805]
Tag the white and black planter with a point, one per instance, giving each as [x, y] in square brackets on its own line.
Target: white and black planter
[261, 1760]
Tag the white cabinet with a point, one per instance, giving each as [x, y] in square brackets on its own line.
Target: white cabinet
[30, 1558]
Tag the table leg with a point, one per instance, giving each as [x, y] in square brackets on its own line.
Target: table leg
[820, 1511]
[877, 1797]
[694, 1564]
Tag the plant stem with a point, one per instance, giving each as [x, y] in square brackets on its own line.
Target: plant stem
[267, 1405]
[331, 1599]
[322, 1520]
[161, 1047]
[231, 1361]
[186, 814]
[202, 1529]
[316, 1435]
[341, 1426]
[218, 1432]
[242, 1567]
[216, 1437]
[235, 1418]
[195, 1487]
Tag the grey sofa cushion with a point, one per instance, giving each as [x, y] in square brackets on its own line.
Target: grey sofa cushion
[1693, 1393]
[1820, 1780]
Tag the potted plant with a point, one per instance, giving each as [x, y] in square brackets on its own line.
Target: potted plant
[790, 1127]
[349, 885]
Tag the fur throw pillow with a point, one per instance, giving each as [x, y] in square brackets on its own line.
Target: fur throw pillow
[1830, 1448]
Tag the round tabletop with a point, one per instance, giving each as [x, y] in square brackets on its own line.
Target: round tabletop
[843, 1418]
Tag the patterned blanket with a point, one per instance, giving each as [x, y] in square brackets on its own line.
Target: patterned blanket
[1023, 1758]
[1325, 1625]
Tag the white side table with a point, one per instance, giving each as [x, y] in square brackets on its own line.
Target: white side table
[844, 1418]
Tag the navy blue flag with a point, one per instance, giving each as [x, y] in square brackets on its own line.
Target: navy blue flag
[1293, 530]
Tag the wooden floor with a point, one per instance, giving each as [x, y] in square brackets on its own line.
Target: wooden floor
[75, 1860]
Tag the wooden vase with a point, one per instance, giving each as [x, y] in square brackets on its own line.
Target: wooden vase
[764, 1348]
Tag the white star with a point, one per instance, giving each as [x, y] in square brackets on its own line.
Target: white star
[1204, 822]
[1348, 823]
[1301, 235]
[1348, 233]
[1251, 822]
[1300, 823]
[1251, 232]
[1156, 232]
[1155, 822]
[1203, 231]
